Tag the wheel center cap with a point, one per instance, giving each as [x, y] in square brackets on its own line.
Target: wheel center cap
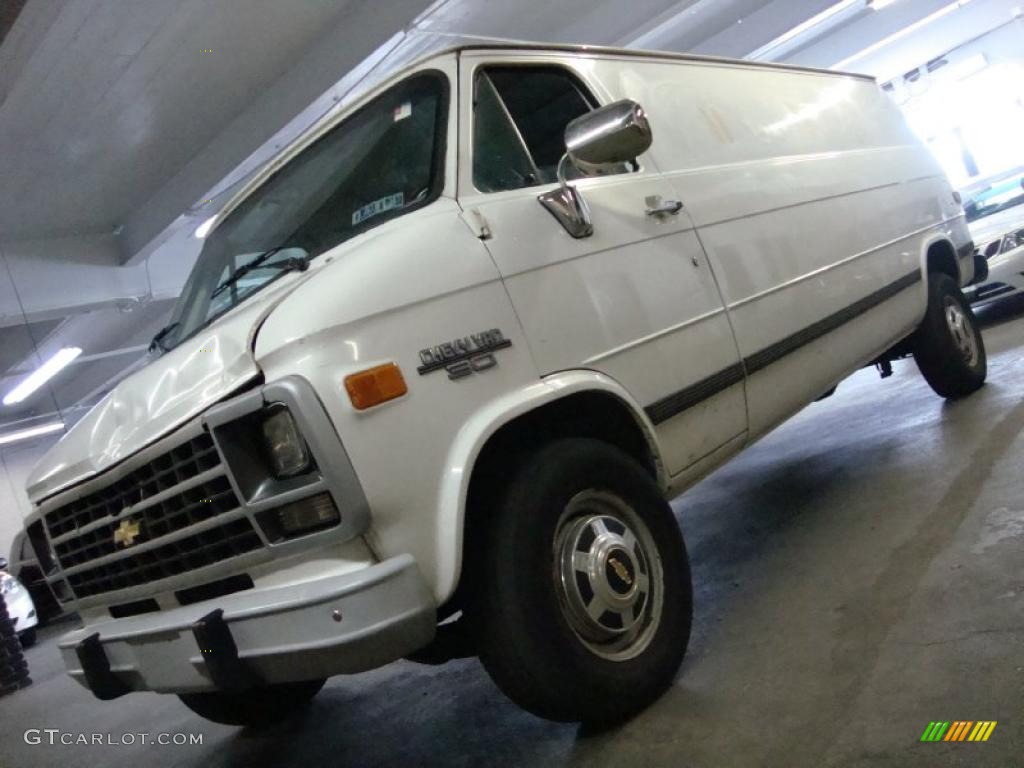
[619, 571]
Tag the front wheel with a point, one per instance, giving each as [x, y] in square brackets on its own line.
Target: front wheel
[28, 638]
[257, 707]
[948, 346]
[583, 602]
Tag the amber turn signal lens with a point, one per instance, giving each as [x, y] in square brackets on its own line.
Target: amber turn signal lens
[375, 386]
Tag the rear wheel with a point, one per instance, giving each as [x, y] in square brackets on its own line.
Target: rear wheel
[583, 601]
[948, 346]
[257, 707]
[28, 638]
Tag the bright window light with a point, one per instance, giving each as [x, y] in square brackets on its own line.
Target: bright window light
[25, 434]
[877, 5]
[41, 375]
[987, 123]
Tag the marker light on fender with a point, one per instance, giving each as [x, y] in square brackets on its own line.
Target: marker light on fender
[375, 386]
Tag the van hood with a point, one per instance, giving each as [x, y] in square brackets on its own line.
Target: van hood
[162, 396]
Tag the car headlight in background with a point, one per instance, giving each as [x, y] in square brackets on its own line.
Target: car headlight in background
[286, 449]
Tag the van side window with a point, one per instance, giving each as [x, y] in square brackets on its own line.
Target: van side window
[519, 119]
[500, 158]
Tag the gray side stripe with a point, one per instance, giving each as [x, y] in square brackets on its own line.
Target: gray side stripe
[791, 343]
[677, 402]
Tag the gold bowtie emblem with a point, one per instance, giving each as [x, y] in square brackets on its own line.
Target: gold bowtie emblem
[620, 570]
[127, 532]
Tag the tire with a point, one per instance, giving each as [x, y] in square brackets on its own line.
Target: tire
[948, 347]
[28, 638]
[529, 601]
[258, 707]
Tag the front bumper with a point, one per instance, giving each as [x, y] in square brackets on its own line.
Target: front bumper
[334, 625]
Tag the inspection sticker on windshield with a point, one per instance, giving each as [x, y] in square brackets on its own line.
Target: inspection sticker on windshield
[379, 206]
[403, 110]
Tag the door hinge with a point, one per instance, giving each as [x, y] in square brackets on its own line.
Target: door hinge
[477, 223]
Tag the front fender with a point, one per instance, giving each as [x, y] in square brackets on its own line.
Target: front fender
[482, 425]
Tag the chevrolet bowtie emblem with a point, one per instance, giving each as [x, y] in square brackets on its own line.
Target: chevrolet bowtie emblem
[127, 532]
[620, 570]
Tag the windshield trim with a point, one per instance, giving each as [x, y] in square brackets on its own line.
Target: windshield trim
[437, 185]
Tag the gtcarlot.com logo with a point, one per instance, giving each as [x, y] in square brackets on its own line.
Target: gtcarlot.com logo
[55, 736]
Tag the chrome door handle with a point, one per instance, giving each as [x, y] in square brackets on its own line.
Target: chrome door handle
[671, 207]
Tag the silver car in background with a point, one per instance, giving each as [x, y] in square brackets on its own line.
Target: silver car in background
[20, 607]
[996, 219]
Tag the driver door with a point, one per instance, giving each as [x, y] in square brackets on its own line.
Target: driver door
[635, 300]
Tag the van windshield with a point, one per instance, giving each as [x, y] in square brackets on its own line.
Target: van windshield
[383, 161]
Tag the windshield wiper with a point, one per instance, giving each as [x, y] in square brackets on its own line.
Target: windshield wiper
[157, 343]
[295, 262]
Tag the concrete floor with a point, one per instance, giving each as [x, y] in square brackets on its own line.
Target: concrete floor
[859, 573]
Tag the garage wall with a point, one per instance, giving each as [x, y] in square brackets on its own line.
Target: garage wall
[1003, 45]
[980, 137]
[16, 461]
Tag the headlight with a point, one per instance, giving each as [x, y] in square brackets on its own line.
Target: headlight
[285, 447]
[8, 584]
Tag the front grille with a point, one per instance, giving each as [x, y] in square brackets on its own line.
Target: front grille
[180, 556]
[200, 502]
[173, 468]
[172, 515]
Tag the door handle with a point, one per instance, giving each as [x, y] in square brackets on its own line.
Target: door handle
[671, 207]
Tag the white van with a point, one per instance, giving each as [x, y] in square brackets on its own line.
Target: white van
[444, 360]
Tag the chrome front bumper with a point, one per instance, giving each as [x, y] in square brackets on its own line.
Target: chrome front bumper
[335, 625]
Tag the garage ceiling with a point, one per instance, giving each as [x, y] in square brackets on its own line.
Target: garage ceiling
[119, 122]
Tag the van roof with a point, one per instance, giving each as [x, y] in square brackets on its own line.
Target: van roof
[489, 44]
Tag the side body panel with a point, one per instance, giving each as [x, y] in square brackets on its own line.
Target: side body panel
[635, 301]
[422, 283]
[813, 202]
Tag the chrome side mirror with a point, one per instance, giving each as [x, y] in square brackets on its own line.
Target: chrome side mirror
[614, 134]
[610, 135]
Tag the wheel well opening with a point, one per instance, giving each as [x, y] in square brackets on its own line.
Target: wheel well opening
[942, 258]
[588, 414]
[595, 415]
